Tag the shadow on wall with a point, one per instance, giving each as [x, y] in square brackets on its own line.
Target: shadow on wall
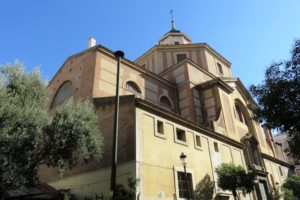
[205, 188]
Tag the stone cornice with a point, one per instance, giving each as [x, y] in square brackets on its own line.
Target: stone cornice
[110, 53]
[154, 109]
[175, 34]
[180, 46]
[281, 162]
[189, 61]
[135, 66]
[214, 82]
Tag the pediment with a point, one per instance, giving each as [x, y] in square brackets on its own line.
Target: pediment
[236, 82]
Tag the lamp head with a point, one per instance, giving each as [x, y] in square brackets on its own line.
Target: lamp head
[183, 159]
[119, 54]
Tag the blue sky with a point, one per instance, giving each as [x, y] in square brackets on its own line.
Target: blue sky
[250, 34]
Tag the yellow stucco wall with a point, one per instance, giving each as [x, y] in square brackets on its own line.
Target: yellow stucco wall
[236, 129]
[212, 65]
[276, 179]
[158, 156]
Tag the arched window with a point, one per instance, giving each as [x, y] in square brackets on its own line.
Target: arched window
[164, 101]
[63, 93]
[239, 113]
[132, 86]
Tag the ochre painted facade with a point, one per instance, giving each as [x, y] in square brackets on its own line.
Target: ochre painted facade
[178, 97]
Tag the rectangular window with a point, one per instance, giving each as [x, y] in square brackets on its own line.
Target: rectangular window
[180, 57]
[176, 43]
[198, 141]
[160, 127]
[280, 170]
[220, 69]
[180, 134]
[185, 185]
[239, 113]
[216, 147]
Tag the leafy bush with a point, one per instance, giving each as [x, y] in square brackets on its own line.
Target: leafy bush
[293, 184]
[233, 178]
[287, 194]
[123, 193]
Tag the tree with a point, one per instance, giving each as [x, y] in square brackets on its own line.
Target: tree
[129, 193]
[30, 136]
[293, 184]
[279, 98]
[287, 194]
[233, 178]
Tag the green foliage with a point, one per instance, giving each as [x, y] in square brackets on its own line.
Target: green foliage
[29, 136]
[279, 98]
[274, 194]
[287, 194]
[123, 193]
[233, 178]
[72, 131]
[205, 188]
[293, 183]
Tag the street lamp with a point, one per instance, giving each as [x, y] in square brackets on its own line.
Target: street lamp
[119, 55]
[183, 161]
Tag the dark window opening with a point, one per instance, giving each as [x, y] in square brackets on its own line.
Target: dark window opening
[198, 141]
[160, 127]
[180, 134]
[180, 57]
[185, 185]
[280, 170]
[132, 86]
[220, 68]
[164, 101]
[240, 114]
[176, 43]
[216, 147]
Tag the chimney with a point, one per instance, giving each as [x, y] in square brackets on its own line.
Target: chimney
[269, 137]
[91, 42]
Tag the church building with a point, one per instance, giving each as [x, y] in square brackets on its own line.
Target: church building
[178, 97]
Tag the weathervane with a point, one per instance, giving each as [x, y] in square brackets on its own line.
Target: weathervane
[172, 20]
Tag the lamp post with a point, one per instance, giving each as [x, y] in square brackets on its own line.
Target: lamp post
[183, 161]
[119, 55]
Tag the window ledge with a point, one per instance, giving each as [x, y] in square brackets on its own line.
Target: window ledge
[160, 135]
[199, 148]
[181, 142]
